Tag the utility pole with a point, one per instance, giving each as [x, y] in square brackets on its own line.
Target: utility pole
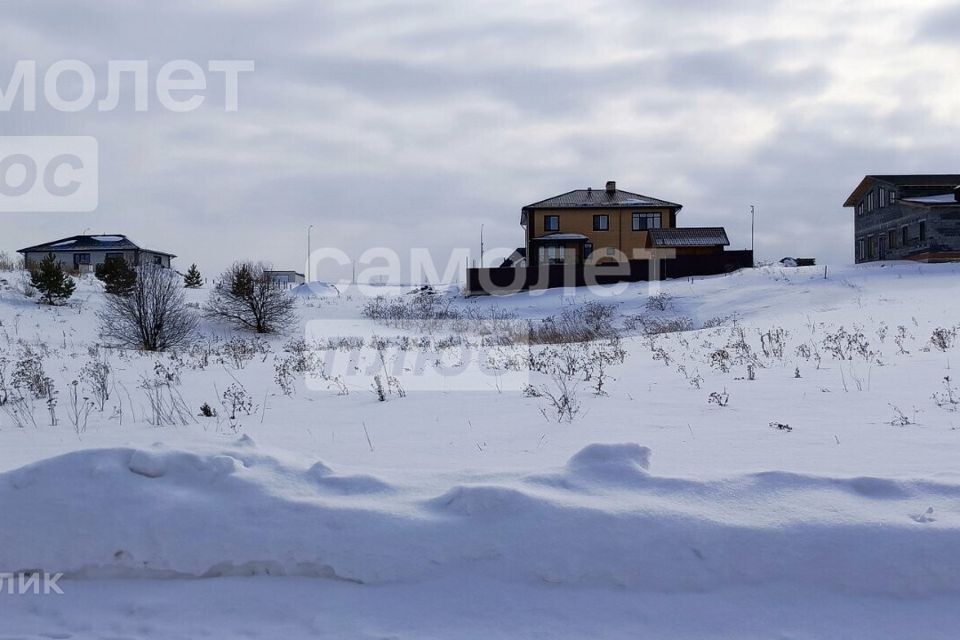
[309, 255]
[481, 246]
[752, 226]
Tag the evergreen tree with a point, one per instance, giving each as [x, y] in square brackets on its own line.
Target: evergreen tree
[49, 279]
[193, 279]
[117, 276]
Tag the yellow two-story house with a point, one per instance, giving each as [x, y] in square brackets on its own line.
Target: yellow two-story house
[597, 226]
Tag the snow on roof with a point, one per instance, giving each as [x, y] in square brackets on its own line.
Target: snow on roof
[105, 242]
[946, 198]
[563, 236]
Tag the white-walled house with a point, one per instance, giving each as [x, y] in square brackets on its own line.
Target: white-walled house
[81, 254]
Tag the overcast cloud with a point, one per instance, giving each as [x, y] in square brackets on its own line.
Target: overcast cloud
[411, 124]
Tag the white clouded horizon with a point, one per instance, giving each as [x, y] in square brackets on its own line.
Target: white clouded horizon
[411, 125]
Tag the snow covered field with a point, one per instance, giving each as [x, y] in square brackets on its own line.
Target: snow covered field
[789, 471]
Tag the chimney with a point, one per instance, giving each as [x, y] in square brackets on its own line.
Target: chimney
[611, 186]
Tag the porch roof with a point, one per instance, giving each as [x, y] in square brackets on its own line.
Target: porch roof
[562, 237]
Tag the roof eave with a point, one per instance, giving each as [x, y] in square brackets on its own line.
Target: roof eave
[854, 198]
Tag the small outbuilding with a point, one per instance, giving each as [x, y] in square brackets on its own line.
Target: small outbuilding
[284, 279]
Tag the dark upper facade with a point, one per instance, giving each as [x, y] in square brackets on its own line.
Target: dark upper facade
[907, 217]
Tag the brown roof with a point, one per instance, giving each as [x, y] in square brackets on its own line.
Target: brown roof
[689, 237]
[601, 198]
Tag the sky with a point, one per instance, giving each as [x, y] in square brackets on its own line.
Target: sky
[411, 124]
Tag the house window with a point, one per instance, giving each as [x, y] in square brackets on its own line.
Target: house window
[861, 249]
[552, 255]
[871, 246]
[892, 238]
[158, 260]
[644, 221]
[883, 198]
[904, 236]
[114, 256]
[601, 222]
[891, 196]
[860, 209]
[81, 258]
[551, 223]
[923, 231]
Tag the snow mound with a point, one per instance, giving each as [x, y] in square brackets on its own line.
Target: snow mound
[613, 461]
[601, 464]
[157, 512]
[314, 290]
[482, 500]
[157, 464]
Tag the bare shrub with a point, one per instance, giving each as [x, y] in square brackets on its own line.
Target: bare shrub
[78, 408]
[152, 315]
[29, 375]
[97, 376]
[660, 302]
[949, 399]
[719, 398]
[598, 358]
[236, 402]
[943, 339]
[653, 326]
[718, 321]
[417, 309]
[773, 342]
[720, 360]
[583, 323]
[283, 375]
[16, 402]
[568, 366]
[167, 406]
[900, 419]
[238, 351]
[562, 398]
[384, 384]
[201, 352]
[246, 298]
[901, 339]
[844, 345]
[10, 263]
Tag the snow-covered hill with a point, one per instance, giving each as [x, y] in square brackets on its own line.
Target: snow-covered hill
[794, 449]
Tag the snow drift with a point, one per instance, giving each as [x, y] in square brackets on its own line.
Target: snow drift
[242, 511]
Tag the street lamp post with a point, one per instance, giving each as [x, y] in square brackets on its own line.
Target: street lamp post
[309, 256]
[481, 246]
